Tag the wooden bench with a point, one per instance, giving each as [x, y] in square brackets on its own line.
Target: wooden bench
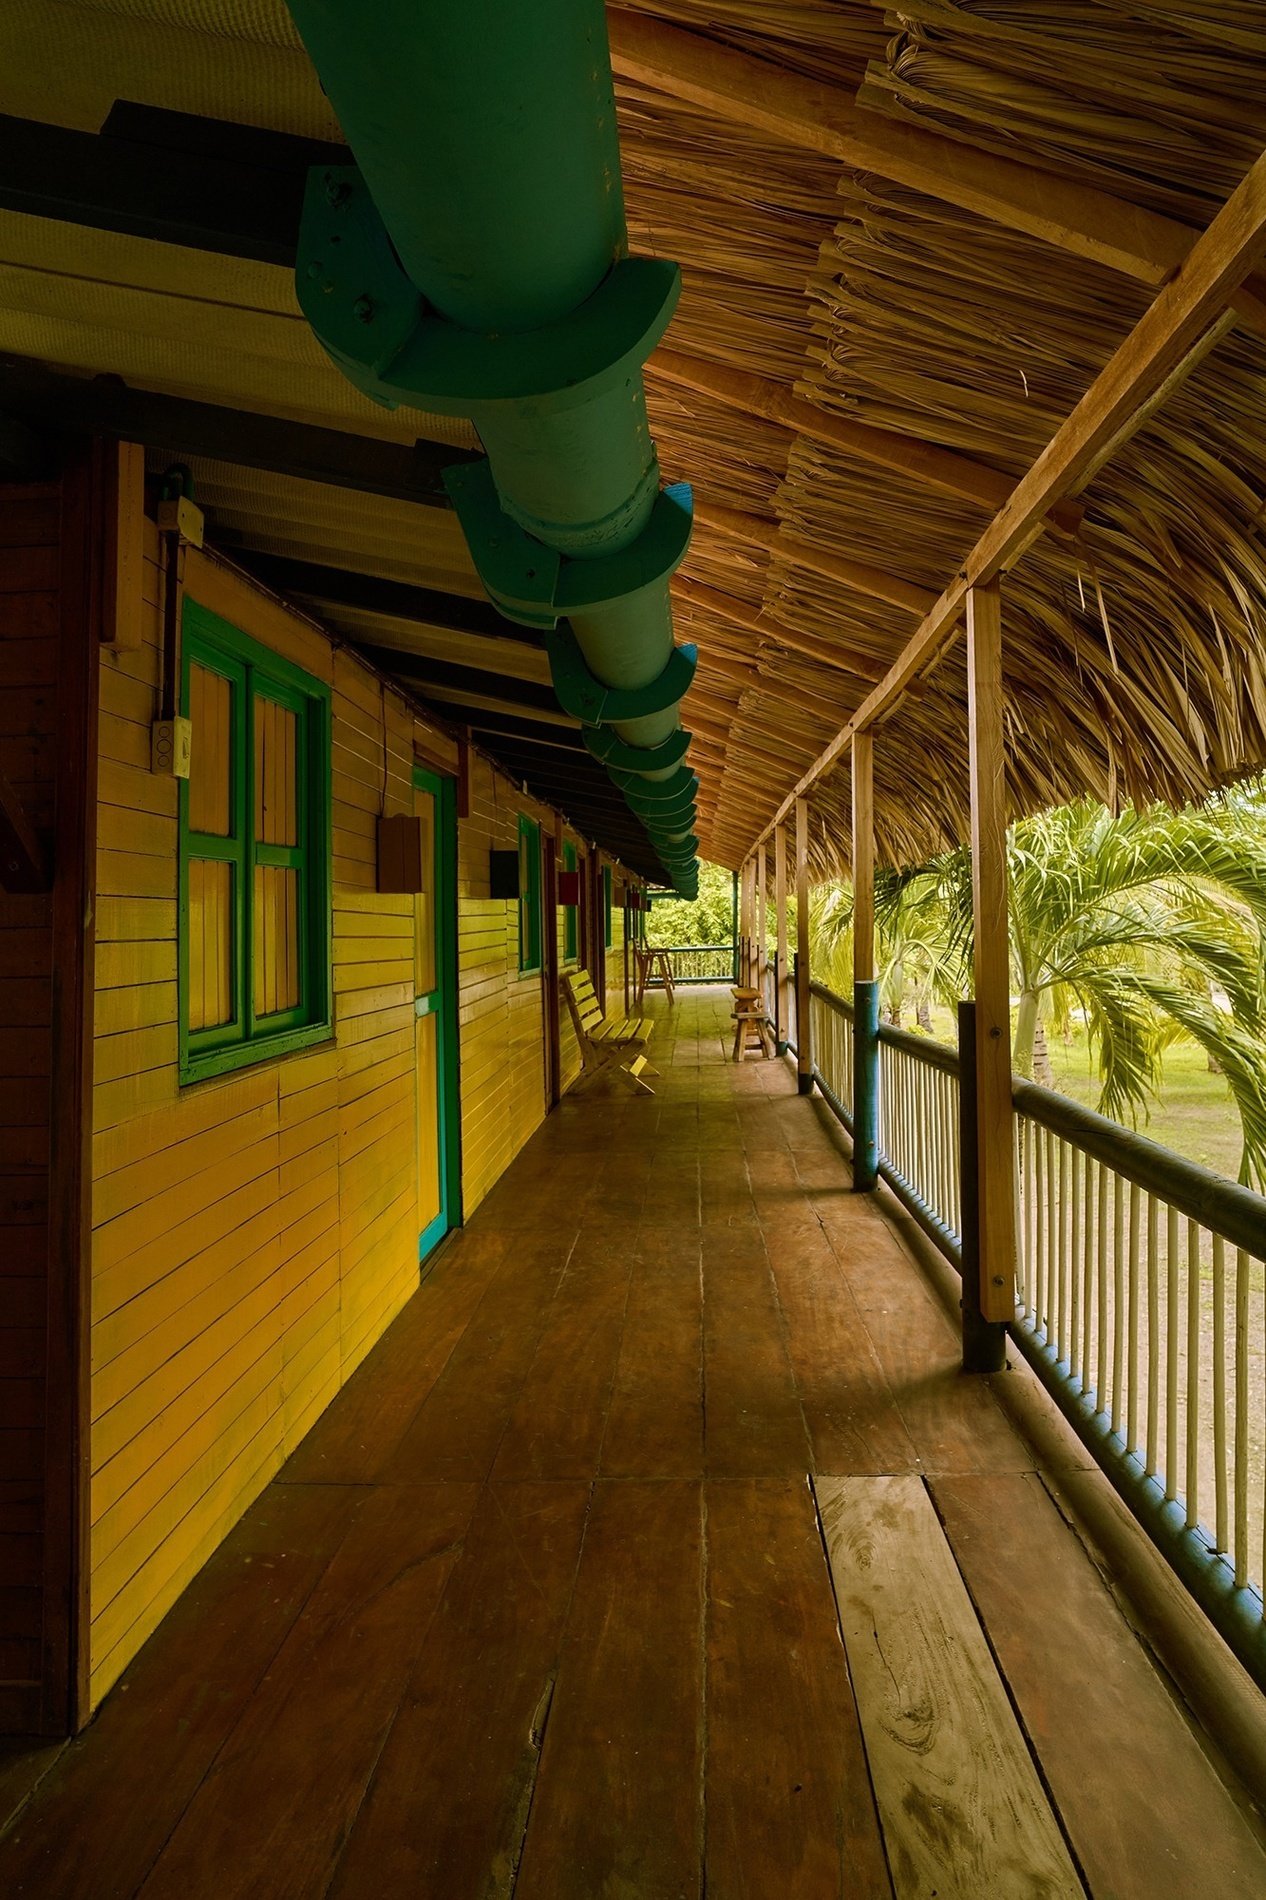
[603, 1039]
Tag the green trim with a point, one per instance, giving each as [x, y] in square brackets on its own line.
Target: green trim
[530, 948]
[442, 1003]
[254, 672]
[606, 906]
[571, 911]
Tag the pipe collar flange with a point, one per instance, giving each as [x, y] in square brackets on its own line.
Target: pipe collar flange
[594, 704]
[616, 753]
[681, 784]
[537, 585]
[370, 317]
[681, 852]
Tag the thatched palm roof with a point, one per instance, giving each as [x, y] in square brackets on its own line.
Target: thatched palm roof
[1134, 637]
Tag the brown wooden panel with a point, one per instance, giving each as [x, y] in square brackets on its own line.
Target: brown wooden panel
[789, 1805]
[446, 1811]
[318, 1723]
[1098, 1714]
[755, 1427]
[617, 1807]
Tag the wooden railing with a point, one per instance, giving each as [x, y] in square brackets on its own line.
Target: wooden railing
[1141, 1299]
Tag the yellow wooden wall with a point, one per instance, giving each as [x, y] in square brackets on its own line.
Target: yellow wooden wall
[253, 1234]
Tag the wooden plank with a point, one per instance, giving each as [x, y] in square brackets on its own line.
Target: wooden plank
[754, 1424]
[1096, 1709]
[788, 1800]
[617, 1802]
[857, 576]
[963, 1810]
[274, 1812]
[863, 857]
[183, 1697]
[991, 953]
[820, 117]
[804, 1040]
[1187, 319]
[655, 1425]
[447, 1807]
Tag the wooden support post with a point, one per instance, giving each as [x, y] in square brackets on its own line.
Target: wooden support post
[804, 1043]
[762, 914]
[782, 992]
[735, 925]
[865, 986]
[984, 1341]
[996, 1168]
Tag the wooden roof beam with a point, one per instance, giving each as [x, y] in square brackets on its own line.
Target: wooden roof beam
[859, 576]
[1173, 336]
[1070, 216]
[932, 467]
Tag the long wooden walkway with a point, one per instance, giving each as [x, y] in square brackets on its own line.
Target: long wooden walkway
[658, 1549]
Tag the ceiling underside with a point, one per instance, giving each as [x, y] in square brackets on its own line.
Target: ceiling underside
[158, 250]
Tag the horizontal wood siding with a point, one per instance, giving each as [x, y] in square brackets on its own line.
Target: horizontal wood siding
[253, 1234]
[501, 1011]
[29, 623]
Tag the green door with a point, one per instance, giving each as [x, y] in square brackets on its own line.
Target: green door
[435, 1012]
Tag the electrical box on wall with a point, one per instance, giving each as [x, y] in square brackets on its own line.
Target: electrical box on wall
[400, 855]
[171, 747]
[503, 874]
[569, 887]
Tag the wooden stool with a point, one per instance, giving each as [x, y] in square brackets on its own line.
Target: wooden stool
[751, 1030]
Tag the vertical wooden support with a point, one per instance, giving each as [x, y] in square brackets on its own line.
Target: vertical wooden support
[734, 922]
[984, 1341]
[995, 1164]
[762, 919]
[865, 987]
[804, 1042]
[863, 857]
[782, 991]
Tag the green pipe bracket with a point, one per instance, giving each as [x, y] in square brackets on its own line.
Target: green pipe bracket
[682, 786]
[538, 586]
[370, 317]
[617, 754]
[594, 704]
[679, 854]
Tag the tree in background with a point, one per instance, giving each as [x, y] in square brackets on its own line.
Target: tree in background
[1150, 925]
[708, 918]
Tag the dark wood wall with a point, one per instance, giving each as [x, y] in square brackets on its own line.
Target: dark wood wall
[50, 548]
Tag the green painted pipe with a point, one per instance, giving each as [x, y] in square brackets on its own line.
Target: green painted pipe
[486, 135]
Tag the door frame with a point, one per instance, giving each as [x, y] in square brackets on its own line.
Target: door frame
[444, 792]
[550, 969]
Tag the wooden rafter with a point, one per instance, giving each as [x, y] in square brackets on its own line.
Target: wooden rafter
[1182, 324]
[1073, 217]
[859, 576]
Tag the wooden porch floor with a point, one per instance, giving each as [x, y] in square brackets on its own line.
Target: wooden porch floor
[543, 1607]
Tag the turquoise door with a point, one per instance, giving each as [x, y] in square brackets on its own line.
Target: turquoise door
[435, 1013]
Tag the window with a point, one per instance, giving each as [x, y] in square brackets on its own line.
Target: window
[606, 906]
[529, 895]
[571, 912]
[254, 927]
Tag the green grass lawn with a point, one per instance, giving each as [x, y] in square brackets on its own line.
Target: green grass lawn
[1195, 1115]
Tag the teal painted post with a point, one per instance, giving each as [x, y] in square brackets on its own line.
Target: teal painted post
[984, 1341]
[865, 1086]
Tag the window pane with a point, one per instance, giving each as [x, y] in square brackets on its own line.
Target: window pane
[210, 943]
[276, 774]
[210, 707]
[276, 928]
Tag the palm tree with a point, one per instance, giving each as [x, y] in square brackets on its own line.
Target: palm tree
[1150, 923]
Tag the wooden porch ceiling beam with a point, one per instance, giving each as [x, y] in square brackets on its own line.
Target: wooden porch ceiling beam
[859, 576]
[843, 659]
[924, 462]
[1172, 337]
[1072, 217]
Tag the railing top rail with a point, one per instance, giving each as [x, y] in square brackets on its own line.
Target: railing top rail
[824, 995]
[681, 949]
[925, 1049]
[1226, 1208]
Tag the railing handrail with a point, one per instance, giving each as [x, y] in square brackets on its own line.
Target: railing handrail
[681, 949]
[824, 995]
[1223, 1206]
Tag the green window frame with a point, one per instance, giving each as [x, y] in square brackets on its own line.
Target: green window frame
[256, 675]
[571, 912]
[529, 895]
[606, 906]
